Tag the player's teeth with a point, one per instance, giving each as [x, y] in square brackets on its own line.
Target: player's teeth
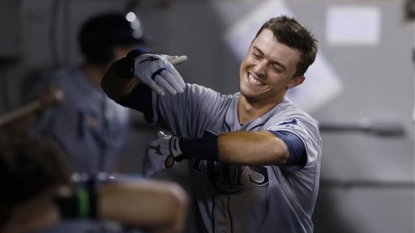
[254, 81]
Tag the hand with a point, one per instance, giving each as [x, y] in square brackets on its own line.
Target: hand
[158, 73]
[161, 154]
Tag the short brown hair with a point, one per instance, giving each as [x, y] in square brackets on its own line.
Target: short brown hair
[28, 166]
[290, 32]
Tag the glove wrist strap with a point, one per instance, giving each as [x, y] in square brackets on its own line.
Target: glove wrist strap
[205, 148]
[175, 146]
[81, 203]
[125, 66]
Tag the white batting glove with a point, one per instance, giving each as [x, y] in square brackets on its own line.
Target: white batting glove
[156, 71]
[161, 154]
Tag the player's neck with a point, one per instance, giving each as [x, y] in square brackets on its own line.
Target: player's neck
[94, 72]
[248, 110]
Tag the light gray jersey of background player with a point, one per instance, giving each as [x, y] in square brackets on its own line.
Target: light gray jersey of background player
[90, 127]
[239, 199]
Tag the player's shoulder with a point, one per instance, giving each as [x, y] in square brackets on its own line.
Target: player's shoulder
[66, 74]
[206, 93]
[290, 111]
[200, 89]
[288, 107]
[57, 77]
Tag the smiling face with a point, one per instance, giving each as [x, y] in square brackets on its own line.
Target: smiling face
[267, 71]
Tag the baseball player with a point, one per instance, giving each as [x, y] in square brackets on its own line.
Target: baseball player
[91, 129]
[254, 156]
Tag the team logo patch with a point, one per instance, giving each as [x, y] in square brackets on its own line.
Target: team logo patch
[293, 121]
[150, 59]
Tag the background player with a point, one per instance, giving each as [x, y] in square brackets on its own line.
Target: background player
[91, 129]
[254, 156]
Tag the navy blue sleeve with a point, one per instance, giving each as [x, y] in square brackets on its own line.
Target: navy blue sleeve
[139, 99]
[297, 153]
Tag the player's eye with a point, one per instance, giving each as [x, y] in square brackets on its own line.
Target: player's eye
[277, 68]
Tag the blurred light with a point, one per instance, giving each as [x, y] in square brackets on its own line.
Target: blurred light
[138, 34]
[135, 24]
[130, 16]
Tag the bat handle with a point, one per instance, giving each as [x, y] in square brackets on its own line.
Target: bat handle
[178, 60]
[52, 97]
[22, 111]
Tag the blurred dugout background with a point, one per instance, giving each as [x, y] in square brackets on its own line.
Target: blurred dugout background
[366, 116]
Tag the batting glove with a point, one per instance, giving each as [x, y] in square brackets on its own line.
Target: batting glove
[161, 154]
[158, 73]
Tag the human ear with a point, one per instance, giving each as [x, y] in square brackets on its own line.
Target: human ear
[295, 82]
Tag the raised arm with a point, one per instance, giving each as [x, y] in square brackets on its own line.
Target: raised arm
[154, 70]
[116, 86]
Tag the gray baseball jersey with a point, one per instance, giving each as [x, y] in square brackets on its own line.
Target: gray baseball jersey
[239, 199]
[91, 129]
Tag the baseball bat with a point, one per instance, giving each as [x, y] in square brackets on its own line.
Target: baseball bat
[52, 97]
[177, 60]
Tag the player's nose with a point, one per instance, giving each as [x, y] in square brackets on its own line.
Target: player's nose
[260, 68]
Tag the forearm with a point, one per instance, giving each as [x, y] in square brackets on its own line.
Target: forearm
[156, 206]
[251, 148]
[242, 148]
[115, 86]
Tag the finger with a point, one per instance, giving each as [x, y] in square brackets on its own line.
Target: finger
[176, 60]
[165, 84]
[164, 90]
[176, 82]
[153, 85]
[177, 77]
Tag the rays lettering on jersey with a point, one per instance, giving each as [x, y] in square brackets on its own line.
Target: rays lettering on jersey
[228, 179]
